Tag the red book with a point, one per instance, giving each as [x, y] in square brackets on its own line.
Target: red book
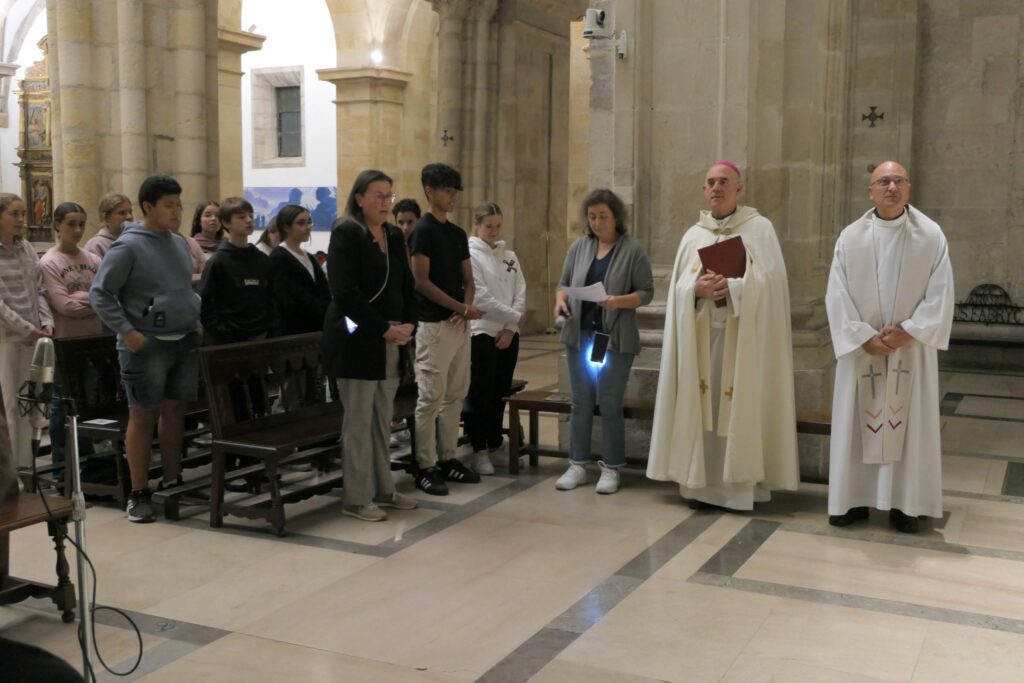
[727, 258]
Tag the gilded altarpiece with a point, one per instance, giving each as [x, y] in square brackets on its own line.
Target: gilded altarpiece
[36, 153]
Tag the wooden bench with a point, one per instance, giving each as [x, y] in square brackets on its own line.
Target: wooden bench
[89, 373]
[25, 510]
[537, 402]
[268, 400]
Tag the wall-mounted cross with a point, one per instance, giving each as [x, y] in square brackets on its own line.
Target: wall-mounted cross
[703, 387]
[872, 117]
[728, 393]
[445, 139]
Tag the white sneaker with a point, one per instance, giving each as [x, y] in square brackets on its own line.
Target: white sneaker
[482, 463]
[609, 481]
[573, 477]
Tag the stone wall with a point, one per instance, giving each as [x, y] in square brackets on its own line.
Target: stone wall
[968, 152]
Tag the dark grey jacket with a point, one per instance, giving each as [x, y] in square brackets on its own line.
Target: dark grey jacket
[629, 271]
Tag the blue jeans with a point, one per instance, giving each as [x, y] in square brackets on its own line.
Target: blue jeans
[161, 370]
[603, 385]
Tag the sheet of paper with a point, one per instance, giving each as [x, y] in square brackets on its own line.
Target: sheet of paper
[594, 292]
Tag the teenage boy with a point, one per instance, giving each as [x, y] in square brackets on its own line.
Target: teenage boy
[143, 291]
[444, 302]
[235, 287]
[406, 213]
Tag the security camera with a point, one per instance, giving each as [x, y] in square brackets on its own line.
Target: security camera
[594, 25]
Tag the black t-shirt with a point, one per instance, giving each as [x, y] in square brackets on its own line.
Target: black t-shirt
[447, 246]
[592, 315]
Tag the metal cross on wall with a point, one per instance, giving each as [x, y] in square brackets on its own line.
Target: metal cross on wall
[445, 139]
[872, 117]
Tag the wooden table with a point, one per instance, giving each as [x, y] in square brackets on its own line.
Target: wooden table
[26, 510]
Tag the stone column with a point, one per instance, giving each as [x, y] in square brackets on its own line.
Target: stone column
[232, 45]
[369, 123]
[132, 86]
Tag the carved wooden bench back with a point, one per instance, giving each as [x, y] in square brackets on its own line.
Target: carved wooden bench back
[87, 371]
[260, 384]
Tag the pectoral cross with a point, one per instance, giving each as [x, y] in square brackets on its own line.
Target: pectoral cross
[728, 393]
[900, 371]
[872, 374]
[703, 387]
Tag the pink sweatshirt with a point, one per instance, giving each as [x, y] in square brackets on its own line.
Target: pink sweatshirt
[67, 280]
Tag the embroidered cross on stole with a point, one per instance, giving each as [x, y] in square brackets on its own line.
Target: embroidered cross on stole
[884, 388]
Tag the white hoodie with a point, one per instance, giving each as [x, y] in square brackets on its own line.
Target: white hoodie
[500, 287]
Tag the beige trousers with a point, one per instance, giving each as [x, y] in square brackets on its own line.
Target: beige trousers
[442, 381]
[15, 363]
[365, 434]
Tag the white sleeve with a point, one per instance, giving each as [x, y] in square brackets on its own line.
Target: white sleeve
[932, 320]
[849, 332]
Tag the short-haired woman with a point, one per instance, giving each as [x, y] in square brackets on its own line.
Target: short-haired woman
[605, 254]
[368, 322]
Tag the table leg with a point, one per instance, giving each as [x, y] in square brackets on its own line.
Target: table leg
[534, 437]
[513, 439]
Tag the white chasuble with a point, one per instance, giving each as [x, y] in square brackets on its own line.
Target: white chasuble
[885, 451]
[724, 424]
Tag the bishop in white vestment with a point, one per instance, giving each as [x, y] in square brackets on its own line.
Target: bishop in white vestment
[890, 309]
[724, 425]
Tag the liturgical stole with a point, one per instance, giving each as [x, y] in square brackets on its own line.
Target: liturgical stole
[885, 383]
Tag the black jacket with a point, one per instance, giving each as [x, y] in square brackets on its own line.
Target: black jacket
[235, 290]
[300, 301]
[356, 272]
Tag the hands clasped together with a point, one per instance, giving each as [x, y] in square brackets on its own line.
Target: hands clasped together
[888, 340]
[712, 286]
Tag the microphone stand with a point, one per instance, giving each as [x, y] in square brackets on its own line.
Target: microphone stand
[72, 459]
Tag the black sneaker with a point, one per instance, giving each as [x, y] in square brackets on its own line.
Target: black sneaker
[453, 470]
[140, 509]
[430, 481]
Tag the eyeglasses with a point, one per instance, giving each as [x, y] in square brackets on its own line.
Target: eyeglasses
[383, 198]
[886, 181]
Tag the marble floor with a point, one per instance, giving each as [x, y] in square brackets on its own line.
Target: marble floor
[513, 581]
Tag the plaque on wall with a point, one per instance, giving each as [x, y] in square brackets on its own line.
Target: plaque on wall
[36, 153]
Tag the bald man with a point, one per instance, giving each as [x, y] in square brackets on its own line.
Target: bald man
[890, 309]
[724, 425]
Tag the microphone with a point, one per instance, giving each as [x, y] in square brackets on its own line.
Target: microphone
[34, 396]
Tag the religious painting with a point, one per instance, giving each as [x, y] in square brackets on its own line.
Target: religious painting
[40, 201]
[37, 125]
[321, 202]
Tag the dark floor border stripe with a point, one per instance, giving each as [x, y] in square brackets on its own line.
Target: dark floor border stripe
[905, 540]
[547, 643]
[1013, 483]
[740, 548]
[153, 659]
[906, 609]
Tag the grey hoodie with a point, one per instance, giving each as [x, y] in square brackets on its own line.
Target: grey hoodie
[145, 283]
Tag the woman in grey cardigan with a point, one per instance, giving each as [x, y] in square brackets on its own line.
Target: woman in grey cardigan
[608, 255]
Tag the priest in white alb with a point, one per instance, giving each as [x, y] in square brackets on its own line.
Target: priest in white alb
[890, 309]
[724, 425]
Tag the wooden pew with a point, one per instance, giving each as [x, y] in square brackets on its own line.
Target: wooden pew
[90, 374]
[537, 402]
[268, 400]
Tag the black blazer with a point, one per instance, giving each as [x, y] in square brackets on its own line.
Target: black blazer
[356, 273]
[300, 302]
